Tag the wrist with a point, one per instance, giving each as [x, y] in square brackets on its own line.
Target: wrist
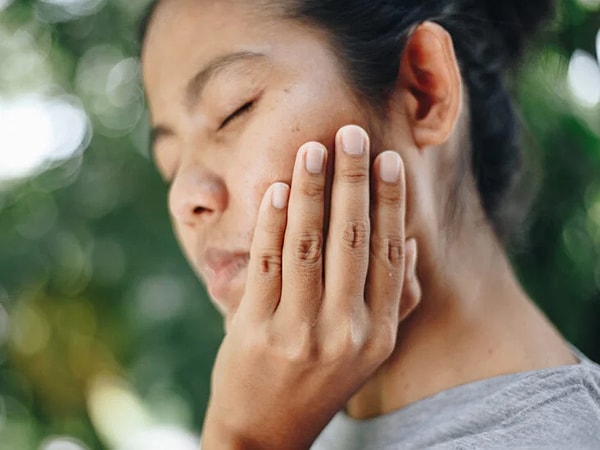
[220, 435]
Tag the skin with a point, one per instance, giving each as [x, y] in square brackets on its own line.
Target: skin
[306, 339]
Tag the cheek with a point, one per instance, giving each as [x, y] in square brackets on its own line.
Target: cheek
[268, 148]
[266, 160]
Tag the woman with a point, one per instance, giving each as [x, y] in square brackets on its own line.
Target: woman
[356, 281]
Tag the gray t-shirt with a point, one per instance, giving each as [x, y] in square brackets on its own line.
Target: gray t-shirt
[557, 408]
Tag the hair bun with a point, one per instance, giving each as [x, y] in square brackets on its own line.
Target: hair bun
[518, 20]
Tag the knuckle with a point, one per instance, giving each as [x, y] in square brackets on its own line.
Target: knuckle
[312, 189]
[347, 342]
[255, 344]
[308, 248]
[355, 174]
[298, 348]
[270, 264]
[381, 343]
[390, 196]
[389, 249]
[356, 234]
[304, 349]
[273, 229]
[386, 337]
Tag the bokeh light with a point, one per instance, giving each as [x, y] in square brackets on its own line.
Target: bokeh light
[62, 443]
[598, 45]
[25, 54]
[4, 324]
[53, 11]
[109, 84]
[38, 131]
[17, 426]
[115, 410]
[584, 78]
[31, 331]
[4, 4]
[126, 423]
[162, 438]
[160, 297]
[591, 5]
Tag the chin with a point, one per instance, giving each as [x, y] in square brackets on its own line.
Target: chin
[227, 298]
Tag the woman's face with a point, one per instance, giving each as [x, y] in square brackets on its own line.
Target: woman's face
[233, 95]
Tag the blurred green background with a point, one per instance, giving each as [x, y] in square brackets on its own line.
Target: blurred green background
[106, 337]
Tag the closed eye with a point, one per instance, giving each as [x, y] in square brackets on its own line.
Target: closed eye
[239, 112]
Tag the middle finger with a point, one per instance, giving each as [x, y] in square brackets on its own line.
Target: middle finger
[347, 247]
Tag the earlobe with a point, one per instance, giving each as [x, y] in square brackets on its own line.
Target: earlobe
[412, 292]
[431, 83]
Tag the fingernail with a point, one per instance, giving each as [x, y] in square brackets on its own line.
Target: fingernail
[411, 249]
[280, 195]
[389, 167]
[353, 140]
[315, 155]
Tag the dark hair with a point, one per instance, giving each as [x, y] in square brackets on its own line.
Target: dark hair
[489, 37]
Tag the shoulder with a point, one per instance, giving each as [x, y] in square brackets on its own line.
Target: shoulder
[556, 408]
[567, 389]
[550, 409]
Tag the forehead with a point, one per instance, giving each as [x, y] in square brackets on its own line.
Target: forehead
[186, 35]
[187, 32]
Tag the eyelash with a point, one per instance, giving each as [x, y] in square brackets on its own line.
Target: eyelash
[239, 112]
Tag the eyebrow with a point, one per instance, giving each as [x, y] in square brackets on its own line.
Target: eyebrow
[197, 84]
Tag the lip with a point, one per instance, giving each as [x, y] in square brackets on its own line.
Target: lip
[223, 267]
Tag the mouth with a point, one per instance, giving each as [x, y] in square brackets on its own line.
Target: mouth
[223, 269]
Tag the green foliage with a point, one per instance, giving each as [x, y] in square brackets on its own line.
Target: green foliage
[92, 283]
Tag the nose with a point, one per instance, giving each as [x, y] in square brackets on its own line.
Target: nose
[197, 197]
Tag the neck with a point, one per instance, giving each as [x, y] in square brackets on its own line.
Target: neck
[474, 322]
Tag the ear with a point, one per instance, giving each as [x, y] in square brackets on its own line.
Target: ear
[412, 292]
[431, 84]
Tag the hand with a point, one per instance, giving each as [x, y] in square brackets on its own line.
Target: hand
[313, 326]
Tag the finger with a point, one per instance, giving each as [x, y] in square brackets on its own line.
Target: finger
[303, 244]
[263, 288]
[387, 252]
[411, 291]
[347, 248]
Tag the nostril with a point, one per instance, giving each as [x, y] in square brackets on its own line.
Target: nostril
[199, 210]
